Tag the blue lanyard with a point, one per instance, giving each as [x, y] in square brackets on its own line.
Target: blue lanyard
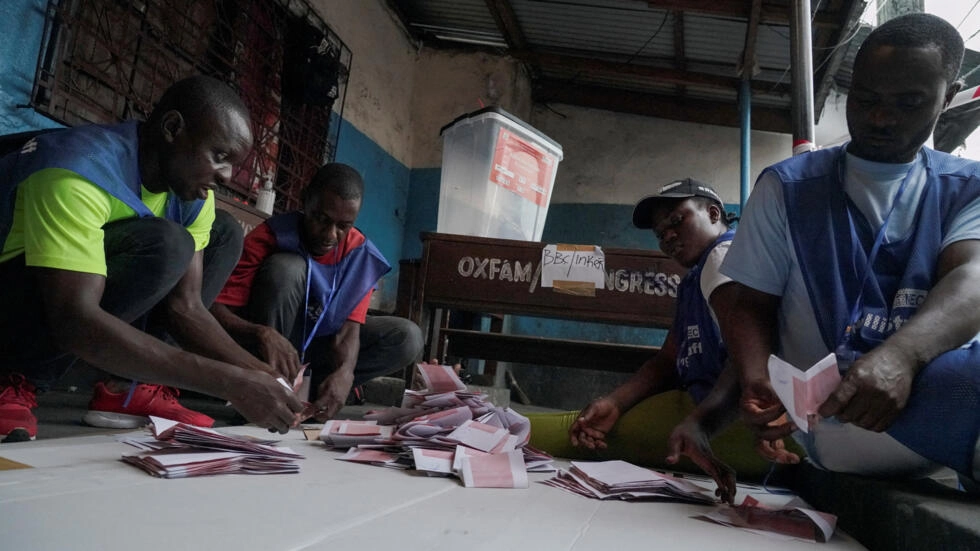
[308, 334]
[869, 266]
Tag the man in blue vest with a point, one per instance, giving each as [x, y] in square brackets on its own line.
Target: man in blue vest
[690, 223]
[871, 250]
[301, 291]
[110, 229]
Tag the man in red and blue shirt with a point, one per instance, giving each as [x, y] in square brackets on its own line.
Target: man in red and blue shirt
[300, 294]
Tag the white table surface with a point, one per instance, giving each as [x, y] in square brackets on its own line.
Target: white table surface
[80, 496]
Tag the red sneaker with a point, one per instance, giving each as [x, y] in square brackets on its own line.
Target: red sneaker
[106, 408]
[16, 401]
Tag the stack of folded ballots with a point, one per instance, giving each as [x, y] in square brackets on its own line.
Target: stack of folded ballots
[444, 430]
[178, 450]
[792, 520]
[625, 481]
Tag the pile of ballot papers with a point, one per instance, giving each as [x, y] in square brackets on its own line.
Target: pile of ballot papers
[625, 481]
[444, 430]
[179, 450]
[792, 520]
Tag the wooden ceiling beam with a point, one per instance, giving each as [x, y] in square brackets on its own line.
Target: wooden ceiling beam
[662, 74]
[680, 51]
[665, 107]
[503, 14]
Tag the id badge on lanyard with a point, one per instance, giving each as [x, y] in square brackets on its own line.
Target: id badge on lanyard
[845, 351]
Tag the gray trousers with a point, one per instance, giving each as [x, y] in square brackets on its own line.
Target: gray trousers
[388, 343]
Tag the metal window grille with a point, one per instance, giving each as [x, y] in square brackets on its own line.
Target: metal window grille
[103, 61]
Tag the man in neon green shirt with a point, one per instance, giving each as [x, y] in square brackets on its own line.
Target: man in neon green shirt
[108, 231]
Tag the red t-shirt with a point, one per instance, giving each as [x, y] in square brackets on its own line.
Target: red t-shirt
[259, 244]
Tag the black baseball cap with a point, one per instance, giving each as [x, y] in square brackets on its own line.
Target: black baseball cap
[680, 189]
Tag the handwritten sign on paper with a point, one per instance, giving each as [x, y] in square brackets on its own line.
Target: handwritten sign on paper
[584, 265]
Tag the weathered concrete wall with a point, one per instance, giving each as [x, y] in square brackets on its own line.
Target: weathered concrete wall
[450, 84]
[383, 72]
[616, 158]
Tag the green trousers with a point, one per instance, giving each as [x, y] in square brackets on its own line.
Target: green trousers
[640, 437]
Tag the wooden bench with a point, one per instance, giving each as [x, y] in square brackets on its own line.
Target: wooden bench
[502, 277]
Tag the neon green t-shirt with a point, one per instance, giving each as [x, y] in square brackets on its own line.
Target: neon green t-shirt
[58, 220]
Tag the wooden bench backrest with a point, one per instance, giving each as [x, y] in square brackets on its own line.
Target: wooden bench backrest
[501, 276]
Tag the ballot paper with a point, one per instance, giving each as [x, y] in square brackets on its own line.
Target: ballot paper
[440, 378]
[625, 481]
[187, 450]
[438, 430]
[462, 452]
[538, 461]
[169, 464]
[502, 470]
[794, 520]
[347, 433]
[481, 436]
[802, 392]
[380, 458]
[433, 461]
[514, 422]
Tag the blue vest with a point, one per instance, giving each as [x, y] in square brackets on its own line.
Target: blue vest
[333, 290]
[700, 352]
[942, 418]
[107, 156]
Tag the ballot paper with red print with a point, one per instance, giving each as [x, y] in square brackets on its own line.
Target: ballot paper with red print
[380, 458]
[205, 438]
[187, 450]
[433, 461]
[793, 520]
[171, 464]
[347, 433]
[500, 470]
[440, 378]
[462, 452]
[624, 481]
[477, 435]
[437, 430]
[802, 392]
[538, 461]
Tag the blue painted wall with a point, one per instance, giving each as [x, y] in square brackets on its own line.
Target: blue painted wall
[423, 198]
[21, 27]
[384, 211]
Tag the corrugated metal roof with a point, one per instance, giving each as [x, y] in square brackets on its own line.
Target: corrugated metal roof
[660, 48]
[452, 19]
[614, 27]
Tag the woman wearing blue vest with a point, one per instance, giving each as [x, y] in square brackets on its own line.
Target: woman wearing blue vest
[300, 293]
[871, 250]
[103, 225]
[690, 223]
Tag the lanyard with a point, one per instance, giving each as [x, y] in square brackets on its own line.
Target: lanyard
[879, 239]
[308, 334]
